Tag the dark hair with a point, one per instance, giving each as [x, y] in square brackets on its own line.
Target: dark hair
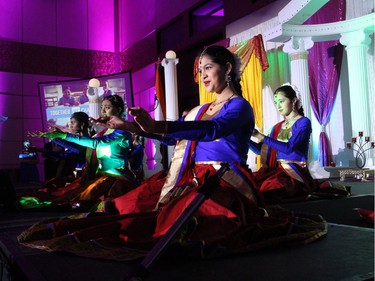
[221, 55]
[139, 139]
[291, 94]
[117, 102]
[83, 120]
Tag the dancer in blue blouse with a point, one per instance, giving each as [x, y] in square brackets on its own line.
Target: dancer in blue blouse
[284, 174]
[232, 220]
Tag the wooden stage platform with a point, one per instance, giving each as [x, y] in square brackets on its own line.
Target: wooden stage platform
[345, 254]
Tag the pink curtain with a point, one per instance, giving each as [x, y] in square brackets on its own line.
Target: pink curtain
[324, 71]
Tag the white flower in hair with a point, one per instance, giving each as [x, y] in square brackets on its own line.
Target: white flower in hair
[298, 94]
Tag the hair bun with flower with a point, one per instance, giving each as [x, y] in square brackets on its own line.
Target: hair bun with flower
[298, 94]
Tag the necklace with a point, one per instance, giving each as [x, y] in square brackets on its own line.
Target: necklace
[216, 103]
[287, 121]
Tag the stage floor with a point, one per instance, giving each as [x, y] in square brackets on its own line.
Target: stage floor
[346, 253]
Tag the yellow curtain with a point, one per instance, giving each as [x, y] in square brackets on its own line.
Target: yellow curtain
[251, 82]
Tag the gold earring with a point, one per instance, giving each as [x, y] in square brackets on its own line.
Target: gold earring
[229, 79]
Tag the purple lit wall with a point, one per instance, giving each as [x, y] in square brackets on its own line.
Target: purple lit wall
[139, 18]
[57, 40]
[47, 41]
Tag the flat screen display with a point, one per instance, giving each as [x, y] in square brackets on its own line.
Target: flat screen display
[60, 99]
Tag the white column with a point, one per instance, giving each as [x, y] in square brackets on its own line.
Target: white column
[170, 73]
[157, 145]
[297, 48]
[95, 101]
[356, 45]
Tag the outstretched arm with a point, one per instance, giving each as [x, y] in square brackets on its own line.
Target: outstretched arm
[56, 133]
[117, 136]
[115, 122]
[235, 115]
[143, 121]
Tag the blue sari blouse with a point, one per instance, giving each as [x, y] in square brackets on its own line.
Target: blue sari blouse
[294, 148]
[223, 138]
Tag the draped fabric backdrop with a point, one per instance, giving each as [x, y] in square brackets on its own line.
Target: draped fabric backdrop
[277, 74]
[324, 62]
